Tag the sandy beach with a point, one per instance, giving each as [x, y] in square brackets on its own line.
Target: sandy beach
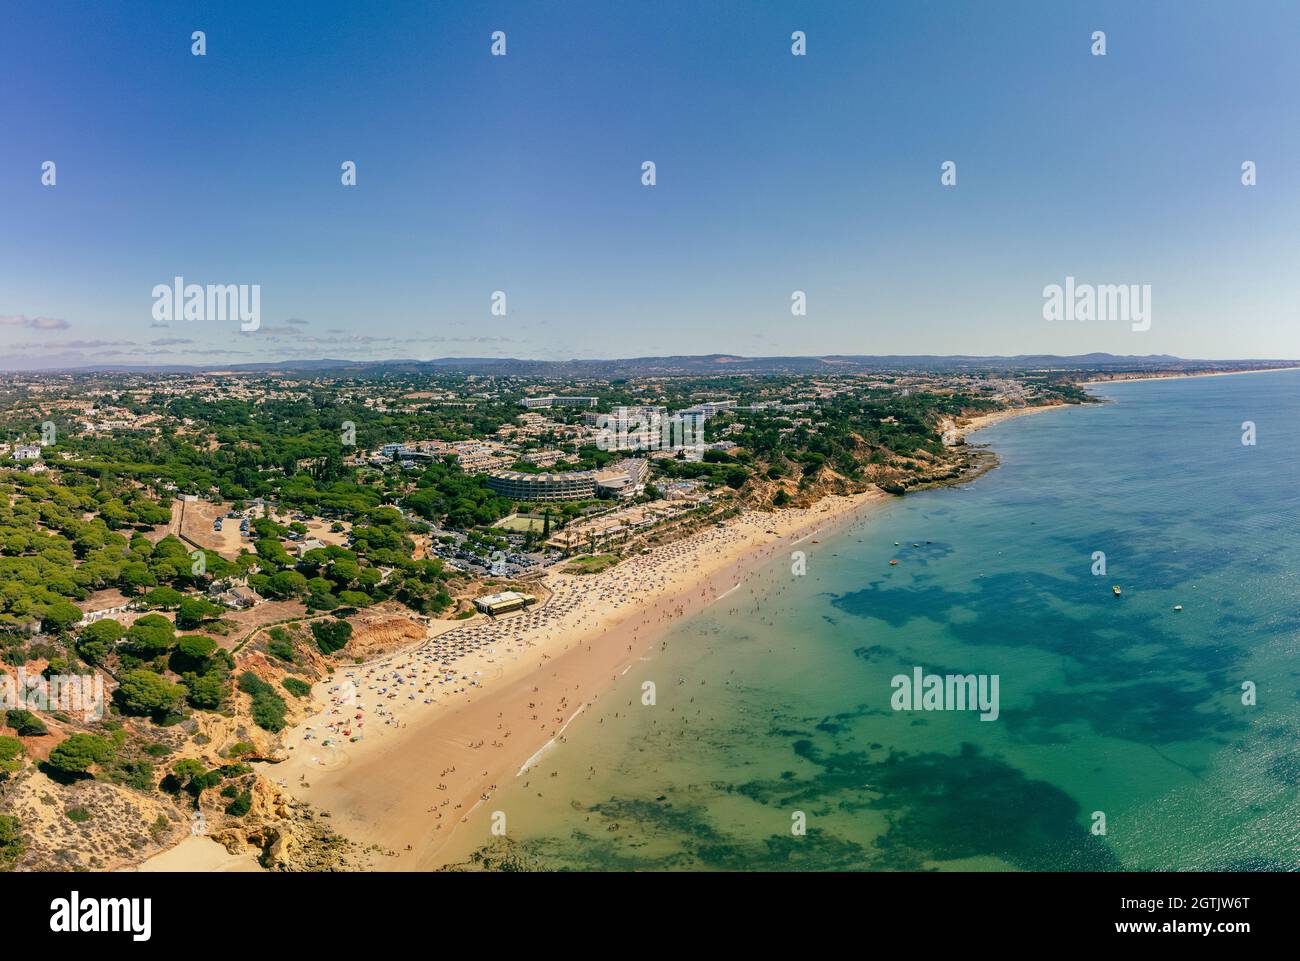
[442, 725]
[399, 751]
[1177, 375]
[203, 855]
[998, 416]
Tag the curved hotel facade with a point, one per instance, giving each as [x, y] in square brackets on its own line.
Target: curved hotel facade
[569, 486]
[625, 479]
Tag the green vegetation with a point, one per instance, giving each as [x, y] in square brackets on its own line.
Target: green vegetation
[268, 708]
[98, 640]
[25, 723]
[521, 523]
[165, 597]
[591, 565]
[241, 805]
[149, 637]
[137, 773]
[193, 611]
[193, 652]
[280, 645]
[146, 693]
[76, 754]
[89, 527]
[191, 776]
[454, 499]
[331, 635]
[11, 754]
[12, 843]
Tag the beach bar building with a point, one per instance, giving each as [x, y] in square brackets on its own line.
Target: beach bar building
[503, 602]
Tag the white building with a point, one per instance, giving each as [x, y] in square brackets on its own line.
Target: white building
[553, 401]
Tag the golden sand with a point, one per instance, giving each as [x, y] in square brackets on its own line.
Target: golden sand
[421, 768]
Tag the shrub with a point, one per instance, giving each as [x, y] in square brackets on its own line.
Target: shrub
[250, 683]
[206, 692]
[331, 635]
[26, 723]
[268, 711]
[268, 707]
[144, 692]
[80, 815]
[135, 774]
[280, 645]
[11, 754]
[159, 828]
[79, 752]
[56, 665]
[296, 687]
[190, 774]
[11, 841]
[240, 805]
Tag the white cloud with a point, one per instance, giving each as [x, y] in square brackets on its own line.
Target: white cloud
[32, 323]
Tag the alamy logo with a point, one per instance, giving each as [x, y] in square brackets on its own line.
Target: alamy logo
[70, 693]
[72, 915]
[1129, 302]
[633, 429]
[182, 301]
[347, 694]
[949, 692]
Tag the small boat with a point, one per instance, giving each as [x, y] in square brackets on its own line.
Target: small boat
[1115, 588]
[896, 544]
[893, 563]
[1178, 607]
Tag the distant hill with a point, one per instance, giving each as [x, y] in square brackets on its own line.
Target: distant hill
[702, 365]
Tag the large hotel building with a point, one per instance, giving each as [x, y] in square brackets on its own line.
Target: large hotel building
[622, 480]
[532, 403]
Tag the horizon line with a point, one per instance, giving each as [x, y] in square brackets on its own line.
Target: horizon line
[719, 359]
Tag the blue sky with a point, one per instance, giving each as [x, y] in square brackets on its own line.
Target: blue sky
[523, 174]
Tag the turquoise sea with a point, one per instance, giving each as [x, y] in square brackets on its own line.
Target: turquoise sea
[777, 700]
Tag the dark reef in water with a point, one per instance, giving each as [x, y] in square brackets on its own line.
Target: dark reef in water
[939, 807]
[1144, 683]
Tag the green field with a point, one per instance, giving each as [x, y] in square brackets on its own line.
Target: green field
[591, 565]
[521, 523]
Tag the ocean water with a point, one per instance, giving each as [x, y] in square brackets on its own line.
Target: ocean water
[775, 704]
